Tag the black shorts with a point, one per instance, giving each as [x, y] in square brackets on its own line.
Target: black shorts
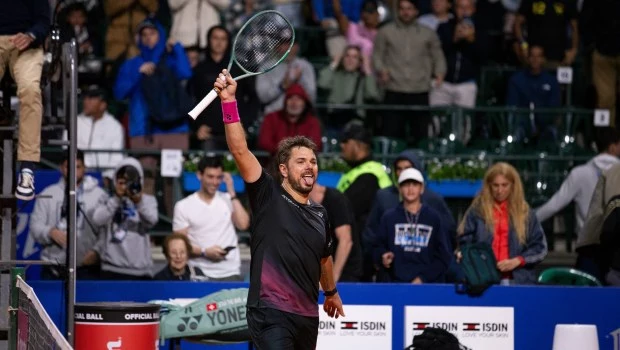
[273, 329]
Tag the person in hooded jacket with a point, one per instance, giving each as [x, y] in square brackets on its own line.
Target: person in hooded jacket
[412, 242]
[154, 48]
[389, 198]
[124, 218]
[207, 130]
[579, 187]
[48, 222]
[581, 181]
[296, 118]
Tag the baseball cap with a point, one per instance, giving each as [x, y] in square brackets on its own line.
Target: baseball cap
[95, 91]
[355, 130]
[411, 174]
[147, 23]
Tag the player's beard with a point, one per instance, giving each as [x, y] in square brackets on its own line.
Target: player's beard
[298, 184]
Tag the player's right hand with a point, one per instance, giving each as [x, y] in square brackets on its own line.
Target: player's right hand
[226, 85]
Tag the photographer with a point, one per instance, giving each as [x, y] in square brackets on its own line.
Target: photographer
[48, 222]
[124, 247]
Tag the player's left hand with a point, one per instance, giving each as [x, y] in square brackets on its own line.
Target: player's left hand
[333, 306]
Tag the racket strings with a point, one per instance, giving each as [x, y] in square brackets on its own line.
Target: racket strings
[263, 42]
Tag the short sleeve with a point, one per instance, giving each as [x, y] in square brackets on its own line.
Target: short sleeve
[571, 11]
[260, 191]
[328, 248]
[341, 211]
[179, 220]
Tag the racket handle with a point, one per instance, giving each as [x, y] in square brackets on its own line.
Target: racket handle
[202, 105]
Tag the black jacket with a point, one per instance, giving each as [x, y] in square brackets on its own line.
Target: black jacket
[25, 16]
[463, 58]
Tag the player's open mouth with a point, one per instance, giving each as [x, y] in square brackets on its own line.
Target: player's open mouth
[308, 180]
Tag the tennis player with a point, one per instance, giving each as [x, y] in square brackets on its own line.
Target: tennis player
[290, 246]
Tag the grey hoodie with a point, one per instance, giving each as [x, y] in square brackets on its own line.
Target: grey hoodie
[579, 187]
[124, 245]
[47, 216]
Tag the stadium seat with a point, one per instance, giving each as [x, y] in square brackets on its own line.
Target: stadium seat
[567, 277]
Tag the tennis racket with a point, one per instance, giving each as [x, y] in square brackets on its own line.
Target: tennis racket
[261, 44]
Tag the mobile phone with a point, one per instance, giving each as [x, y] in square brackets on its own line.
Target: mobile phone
[228, 249]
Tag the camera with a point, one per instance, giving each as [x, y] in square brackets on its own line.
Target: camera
[132, 178]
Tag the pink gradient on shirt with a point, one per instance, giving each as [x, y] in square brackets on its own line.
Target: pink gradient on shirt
[280, 292]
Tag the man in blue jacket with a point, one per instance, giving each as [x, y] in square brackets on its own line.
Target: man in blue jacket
[412, 245]
[532, 88]
[156, 55]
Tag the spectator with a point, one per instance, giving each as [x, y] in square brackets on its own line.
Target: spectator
[599, 240]
[147, 80]
[412, 241]
[208, 131]
[23, 28]
[347, 252]
[176, 249]
[441, 14]
[361, 183]
[191, 19]
[593, 257]
[292, 9]
[193, 56]
[406, 56]
[361, 34]
[500, 216]
[602, 21]
[209, 218]
[349, 81]
[240, 11]
[296, 118]
[581, 181]
[271, 86]
[329, 14]
[76, 26]
[123, 17]
[552, 25]
[97, 130]
[389, 198]
[464, 45]
[532, 88]
[124, 218]
[48, 222]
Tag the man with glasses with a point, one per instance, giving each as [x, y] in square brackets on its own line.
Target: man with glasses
[209, 217]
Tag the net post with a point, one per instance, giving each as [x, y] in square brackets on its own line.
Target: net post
[14, 305]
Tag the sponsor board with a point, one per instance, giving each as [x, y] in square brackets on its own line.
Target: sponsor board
[478, 328]
[364, 327]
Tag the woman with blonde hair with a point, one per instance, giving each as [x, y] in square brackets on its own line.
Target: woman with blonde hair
[500, 216]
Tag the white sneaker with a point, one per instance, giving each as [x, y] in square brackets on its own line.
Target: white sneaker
[25, 185]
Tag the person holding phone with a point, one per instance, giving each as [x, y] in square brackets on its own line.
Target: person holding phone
[208, 218]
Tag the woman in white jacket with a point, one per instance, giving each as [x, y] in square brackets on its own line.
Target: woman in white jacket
[191, 19]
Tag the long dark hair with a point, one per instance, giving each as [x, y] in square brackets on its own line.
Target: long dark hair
[228, 48]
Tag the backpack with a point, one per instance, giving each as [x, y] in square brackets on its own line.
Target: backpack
[479, 267]
[610, 235]
[435, 339]
[167, 100]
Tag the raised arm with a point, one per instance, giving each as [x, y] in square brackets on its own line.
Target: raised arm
[249, 167]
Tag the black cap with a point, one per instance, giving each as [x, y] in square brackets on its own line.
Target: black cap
[95, 91]
[355, 130]
[147, 23]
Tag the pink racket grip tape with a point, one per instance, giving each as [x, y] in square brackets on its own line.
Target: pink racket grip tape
[230, 114]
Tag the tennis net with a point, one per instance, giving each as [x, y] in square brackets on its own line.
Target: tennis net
[35, 328]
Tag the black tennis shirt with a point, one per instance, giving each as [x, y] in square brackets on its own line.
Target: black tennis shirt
[288, 241]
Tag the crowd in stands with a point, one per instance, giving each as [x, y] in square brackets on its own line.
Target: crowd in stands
[142, 54]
